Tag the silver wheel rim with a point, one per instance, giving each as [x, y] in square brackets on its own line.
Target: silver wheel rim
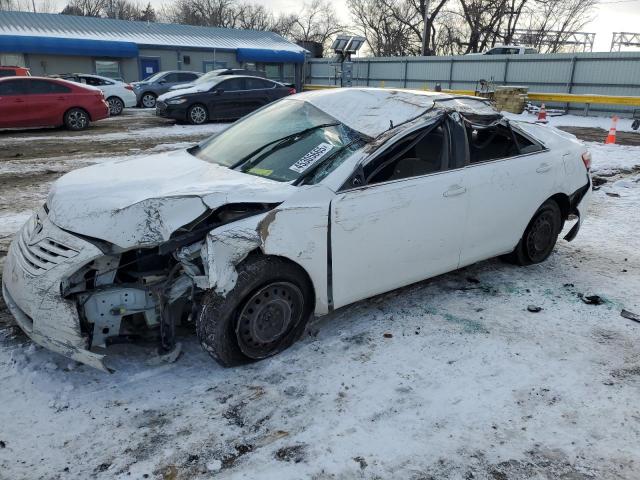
[77, 119]
[115, 106]
[149, 101]
[198, 114]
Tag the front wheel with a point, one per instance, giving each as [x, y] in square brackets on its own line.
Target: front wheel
[148, 100]
[197, 114]
[116, 106]
[265, 313]
[76, 119]
[540, 236]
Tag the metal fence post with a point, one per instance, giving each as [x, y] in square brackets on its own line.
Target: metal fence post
[406, 66]
[506, 71]
[368, 70]
[451, 74]
[574, 60]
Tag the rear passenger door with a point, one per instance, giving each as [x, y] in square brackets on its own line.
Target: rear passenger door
[400, 219]
[187, 77]
[259, 93]
[166, 82]
[48, 101]
[13, 104]
[228, 99]
[508, 177]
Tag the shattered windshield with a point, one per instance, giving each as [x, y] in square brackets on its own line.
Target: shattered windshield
[284, 141]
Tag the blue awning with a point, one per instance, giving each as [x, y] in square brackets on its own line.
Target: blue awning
[268, 56]
[67, 46]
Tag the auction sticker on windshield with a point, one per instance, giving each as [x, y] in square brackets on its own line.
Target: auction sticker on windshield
[312, 157]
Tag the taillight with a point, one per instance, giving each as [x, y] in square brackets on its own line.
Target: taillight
[586, 159]
[128, 87]
[292, 91]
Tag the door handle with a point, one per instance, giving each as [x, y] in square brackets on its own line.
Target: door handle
[454, 191]
[544, 167]
[60, 98]
[17, 100]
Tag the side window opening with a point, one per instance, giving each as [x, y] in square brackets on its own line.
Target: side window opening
[490, 143]
[418, 154]
[525, 145]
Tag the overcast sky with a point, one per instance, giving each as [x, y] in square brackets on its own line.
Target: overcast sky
[612, 15]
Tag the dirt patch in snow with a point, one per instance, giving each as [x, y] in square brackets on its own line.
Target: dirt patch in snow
[598, 135]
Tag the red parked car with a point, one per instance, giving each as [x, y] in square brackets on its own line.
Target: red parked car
[8, 71]
[47, 102]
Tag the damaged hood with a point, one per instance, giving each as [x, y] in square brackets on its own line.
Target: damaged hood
[141, 202]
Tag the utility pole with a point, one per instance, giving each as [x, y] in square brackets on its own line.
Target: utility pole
[33, 3]
[424, 28]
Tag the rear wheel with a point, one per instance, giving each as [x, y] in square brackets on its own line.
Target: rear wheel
[265, 313]
[197, 114]
[540, 236]
[148, 100]
[76, 119]
[116, 106]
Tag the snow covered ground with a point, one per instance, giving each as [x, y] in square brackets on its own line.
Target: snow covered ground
[451, 378]
[603, 122]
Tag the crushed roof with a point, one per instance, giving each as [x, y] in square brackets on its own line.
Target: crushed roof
[373, 111]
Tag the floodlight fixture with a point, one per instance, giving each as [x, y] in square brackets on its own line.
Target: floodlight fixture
[355, 43]
[340, 43]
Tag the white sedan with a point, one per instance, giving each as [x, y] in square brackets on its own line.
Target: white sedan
[119, 95]
[307, 205]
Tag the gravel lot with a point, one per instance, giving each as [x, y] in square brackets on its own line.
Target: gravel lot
[450, 378]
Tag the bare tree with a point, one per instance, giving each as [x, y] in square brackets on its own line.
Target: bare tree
[148, 14]
[386, 36]
[318, 22]
[36, 6]
[209, 13]
[85, 8]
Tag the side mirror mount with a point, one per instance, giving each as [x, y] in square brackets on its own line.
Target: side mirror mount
[162, 82]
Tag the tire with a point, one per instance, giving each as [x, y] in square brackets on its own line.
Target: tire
[76, 119]
[116, 106]
[539, 237]
[251, 322]
[635, 125]
[197, 114]
[148, 100]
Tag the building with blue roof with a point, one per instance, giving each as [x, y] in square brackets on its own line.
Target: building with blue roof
[53, 43]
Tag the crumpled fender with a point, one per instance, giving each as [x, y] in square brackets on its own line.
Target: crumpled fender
[296, 230]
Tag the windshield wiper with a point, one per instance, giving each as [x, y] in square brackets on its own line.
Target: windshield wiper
[245, 163]
[317, 166]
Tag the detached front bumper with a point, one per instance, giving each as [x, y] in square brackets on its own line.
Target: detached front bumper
[578, 204]
[40, 257]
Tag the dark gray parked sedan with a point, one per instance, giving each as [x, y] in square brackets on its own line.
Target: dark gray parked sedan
[226, 97]
[148, 90]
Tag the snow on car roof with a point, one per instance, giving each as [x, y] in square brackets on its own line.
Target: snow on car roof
[370, 111]
[373, 111]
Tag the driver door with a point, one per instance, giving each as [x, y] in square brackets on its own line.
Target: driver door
[401, 220]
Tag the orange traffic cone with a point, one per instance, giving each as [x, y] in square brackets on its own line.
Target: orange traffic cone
[611, 138]
[542, 115]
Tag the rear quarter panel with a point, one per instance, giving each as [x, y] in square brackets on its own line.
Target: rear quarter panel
[563, 148]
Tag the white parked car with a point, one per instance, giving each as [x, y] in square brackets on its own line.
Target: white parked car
[307, 205]
[119, 95]
[508, 50]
